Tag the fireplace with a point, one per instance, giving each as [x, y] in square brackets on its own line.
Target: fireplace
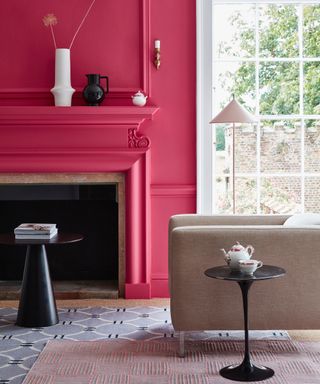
[48, 145]
[92, 205]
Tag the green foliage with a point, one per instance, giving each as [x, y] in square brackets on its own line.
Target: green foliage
[312, 87]
[311, 30]
[278, 31]
[279, 81]
[220, 138]
[247, 32]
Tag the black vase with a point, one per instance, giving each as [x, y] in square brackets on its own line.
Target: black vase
[93, 93]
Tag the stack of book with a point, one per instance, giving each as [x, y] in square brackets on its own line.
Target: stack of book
[35, 231]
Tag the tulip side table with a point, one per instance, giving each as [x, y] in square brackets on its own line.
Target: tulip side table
[246, 371]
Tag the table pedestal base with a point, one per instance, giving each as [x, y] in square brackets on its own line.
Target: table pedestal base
[37, 307]
[245, 372]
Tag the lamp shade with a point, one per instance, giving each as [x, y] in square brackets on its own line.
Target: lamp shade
[233, 113]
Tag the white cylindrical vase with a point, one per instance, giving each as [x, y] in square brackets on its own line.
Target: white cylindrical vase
[62, 90]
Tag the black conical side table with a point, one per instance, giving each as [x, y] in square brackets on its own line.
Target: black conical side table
[246, 371]
[37, 305]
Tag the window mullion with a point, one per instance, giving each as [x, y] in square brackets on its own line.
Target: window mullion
[301, 97]
[289, 117]
[290, 2]
[257, 80]
[265, 59]
[204, 107]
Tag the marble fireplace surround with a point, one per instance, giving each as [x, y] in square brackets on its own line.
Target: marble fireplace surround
[48, 145]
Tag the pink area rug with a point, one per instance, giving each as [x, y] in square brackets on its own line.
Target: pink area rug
[148, 362]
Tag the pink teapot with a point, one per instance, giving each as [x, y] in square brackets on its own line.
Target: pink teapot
[236, 253]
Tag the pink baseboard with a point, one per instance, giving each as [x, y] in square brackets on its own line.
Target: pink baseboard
[160, 288]
[138, 291]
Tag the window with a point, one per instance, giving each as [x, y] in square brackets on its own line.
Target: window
[267, 53]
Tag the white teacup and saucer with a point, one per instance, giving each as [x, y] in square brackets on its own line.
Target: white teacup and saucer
[248, 267]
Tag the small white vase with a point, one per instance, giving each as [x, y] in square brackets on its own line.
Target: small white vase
[62, 90]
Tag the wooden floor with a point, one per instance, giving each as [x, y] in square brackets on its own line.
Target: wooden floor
[114, 303]
[67, 290]
[301, 335]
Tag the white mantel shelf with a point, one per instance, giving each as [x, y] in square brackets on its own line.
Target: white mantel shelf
[117, 115]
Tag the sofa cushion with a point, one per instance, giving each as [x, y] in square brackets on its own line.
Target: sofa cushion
[302, 219]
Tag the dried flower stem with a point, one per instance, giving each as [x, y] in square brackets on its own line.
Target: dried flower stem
[49, 21]
[53, 37]
[85, 16]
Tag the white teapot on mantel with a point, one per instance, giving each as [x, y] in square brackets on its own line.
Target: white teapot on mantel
[236, 253]
[139, 99]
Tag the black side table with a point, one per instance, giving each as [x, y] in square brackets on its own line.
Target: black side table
[246, 371]
[37, 306]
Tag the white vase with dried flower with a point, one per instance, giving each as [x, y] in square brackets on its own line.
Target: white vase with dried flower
[62, 90]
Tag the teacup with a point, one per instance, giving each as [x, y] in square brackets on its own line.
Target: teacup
[248, 267]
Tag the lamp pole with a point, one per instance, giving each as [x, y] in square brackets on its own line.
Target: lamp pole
[233, 113]
[233, 170]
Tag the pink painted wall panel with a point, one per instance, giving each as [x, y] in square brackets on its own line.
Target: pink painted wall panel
[110, 43]
[174, 89]
[173, 200]
[106, 44]
[173, 132]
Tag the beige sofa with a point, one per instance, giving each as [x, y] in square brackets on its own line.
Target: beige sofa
[202, 303]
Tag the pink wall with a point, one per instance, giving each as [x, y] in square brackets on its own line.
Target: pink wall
[113, 42]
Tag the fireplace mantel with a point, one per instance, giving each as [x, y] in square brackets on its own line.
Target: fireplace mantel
[119, 115]
[45, 140]
[73, 128]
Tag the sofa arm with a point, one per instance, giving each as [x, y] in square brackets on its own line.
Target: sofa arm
[198, 302]
[195, 220]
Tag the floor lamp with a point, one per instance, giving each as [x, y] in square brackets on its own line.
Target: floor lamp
[233, 113]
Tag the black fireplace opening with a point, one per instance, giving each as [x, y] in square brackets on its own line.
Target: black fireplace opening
[91, 210]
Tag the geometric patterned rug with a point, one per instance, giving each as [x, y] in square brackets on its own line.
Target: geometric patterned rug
[20, 347]
[148, 362]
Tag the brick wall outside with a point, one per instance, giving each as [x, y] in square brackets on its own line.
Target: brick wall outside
[312, 151]
[312, 194]
[280, 153]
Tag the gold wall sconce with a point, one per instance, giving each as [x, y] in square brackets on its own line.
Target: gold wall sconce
[157, 54]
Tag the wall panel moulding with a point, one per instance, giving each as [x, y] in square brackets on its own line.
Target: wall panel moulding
[125, 77]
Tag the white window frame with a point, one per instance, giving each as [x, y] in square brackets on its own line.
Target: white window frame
[205, 140]
[204, 107]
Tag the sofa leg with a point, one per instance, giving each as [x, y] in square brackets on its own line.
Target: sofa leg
[181, 344]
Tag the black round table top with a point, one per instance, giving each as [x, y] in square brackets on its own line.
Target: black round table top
[60, 238]
[264, 273]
